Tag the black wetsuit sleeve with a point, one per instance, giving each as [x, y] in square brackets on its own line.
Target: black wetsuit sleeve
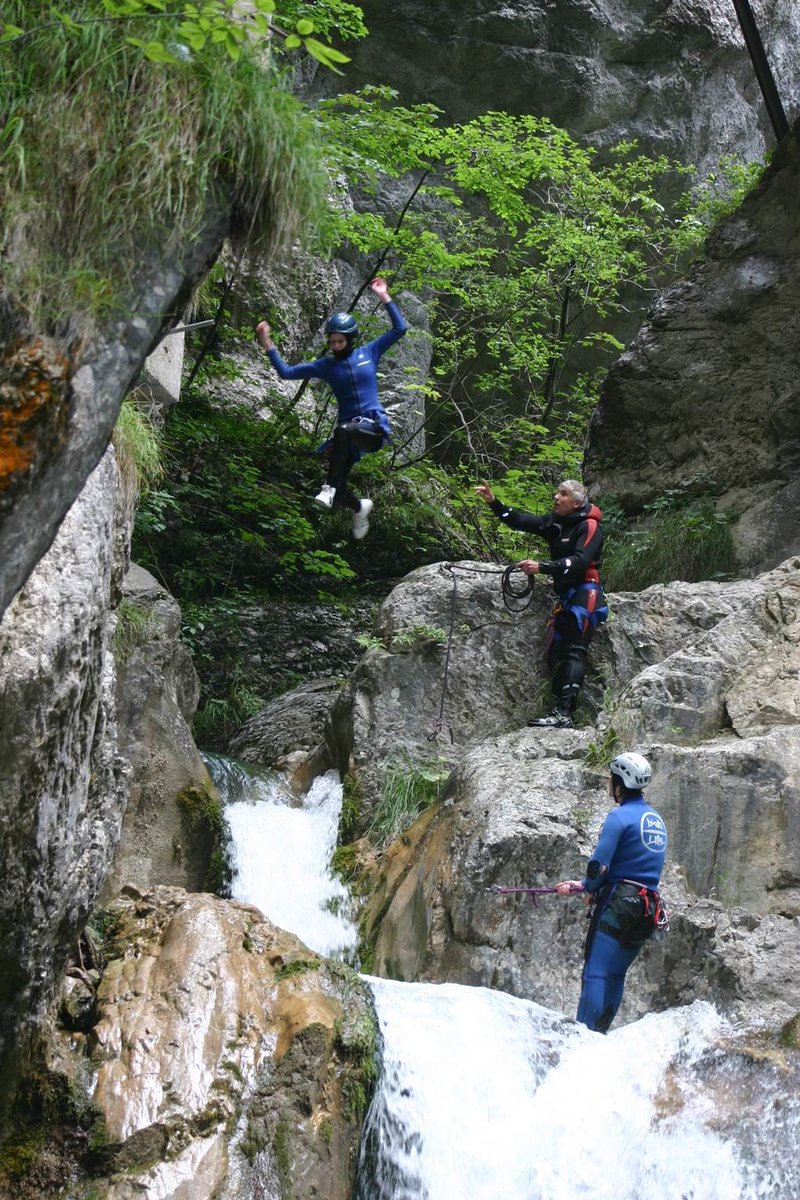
[516, 519]
[572, 568]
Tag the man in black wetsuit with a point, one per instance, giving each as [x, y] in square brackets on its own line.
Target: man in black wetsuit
[575, 538]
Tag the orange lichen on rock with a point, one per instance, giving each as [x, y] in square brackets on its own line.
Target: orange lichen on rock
[34, 407]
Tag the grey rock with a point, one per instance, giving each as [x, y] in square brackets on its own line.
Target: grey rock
[675, 76]
[390, 708]
[293, 722]
[64, 785]
[157, 694]
[709, 391]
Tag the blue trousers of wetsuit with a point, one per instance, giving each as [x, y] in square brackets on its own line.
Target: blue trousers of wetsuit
[607, 961]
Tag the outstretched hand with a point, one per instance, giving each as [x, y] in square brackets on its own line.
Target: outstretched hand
[264, 335]
[569, 887]
[381, 289]
[485, 492]
[529, 565]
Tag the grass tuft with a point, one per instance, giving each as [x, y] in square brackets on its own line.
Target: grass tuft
[409, 788]
[677, 538]
[108, 160]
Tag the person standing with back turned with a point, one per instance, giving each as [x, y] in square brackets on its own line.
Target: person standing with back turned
[622, 879]
[362, 426]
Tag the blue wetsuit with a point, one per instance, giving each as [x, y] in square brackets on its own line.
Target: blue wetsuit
[362, 425]
[632, 846]
[353, 378]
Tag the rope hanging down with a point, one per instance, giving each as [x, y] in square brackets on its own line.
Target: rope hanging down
[516, 598]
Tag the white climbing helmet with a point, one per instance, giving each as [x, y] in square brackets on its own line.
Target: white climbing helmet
[633, 769]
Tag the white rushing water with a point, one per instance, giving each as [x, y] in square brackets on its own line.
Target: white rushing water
[483, 1096]
[487, 1097]
[280, 853]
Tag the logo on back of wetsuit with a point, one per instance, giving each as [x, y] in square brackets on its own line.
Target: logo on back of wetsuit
[653, 832]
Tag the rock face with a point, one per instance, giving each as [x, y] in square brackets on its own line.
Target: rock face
[63, 784]
[165, 839]
[58, 412]
[230, 1061]
[390, 708]
[676, 76]
[709, 391]
[704, 681]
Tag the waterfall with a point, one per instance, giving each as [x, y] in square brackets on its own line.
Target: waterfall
[483, 1096]
[280, 851]
[488, 1097]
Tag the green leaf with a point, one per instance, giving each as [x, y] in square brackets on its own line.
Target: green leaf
[304, 27]
[326, 54]
[292, 41]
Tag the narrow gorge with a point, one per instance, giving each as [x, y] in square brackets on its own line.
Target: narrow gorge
[260, 782]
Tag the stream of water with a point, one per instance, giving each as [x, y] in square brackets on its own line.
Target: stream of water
[482, 1096]
[280, 853]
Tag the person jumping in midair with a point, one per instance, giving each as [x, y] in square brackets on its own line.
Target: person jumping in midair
[362, 425]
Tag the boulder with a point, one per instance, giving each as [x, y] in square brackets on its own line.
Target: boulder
[229, 1060]
[166, 836]
[708, 394]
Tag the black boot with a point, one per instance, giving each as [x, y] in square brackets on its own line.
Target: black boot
[556, 719]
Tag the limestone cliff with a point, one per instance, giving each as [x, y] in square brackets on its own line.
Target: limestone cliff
[674, 75]
[708, 394]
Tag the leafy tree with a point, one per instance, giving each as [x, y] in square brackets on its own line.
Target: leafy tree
[529, 249]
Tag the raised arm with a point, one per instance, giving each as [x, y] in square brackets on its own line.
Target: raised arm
[307, 370]
[515, 519]
[399, 323]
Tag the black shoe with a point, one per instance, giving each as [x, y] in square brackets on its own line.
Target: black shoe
[553, 720]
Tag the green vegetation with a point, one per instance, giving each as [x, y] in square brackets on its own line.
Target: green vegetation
[203, 819]
[414, 637]
[137, 445]
[132, 629]
[109, 157]
[52, 1132]
[408, 789]
[300, 966]
[356, 1042]
[679, 536]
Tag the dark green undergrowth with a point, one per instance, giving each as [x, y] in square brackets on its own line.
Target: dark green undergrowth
[678, 537]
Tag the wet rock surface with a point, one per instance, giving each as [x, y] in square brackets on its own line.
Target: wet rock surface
[224, 1053]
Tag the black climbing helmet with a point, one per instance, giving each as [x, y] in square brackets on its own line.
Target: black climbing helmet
[342, 322]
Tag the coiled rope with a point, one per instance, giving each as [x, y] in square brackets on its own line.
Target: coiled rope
[517, 595]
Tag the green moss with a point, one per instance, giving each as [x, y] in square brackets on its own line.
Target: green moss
[326, 1130]
[53, 1130]
[789, 1035]
[356, 1042]
[352, 805]
[283, 1160]
[299, 967]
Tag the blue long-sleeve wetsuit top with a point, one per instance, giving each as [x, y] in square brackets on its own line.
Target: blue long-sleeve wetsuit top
[632, 845]
[354, 378]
